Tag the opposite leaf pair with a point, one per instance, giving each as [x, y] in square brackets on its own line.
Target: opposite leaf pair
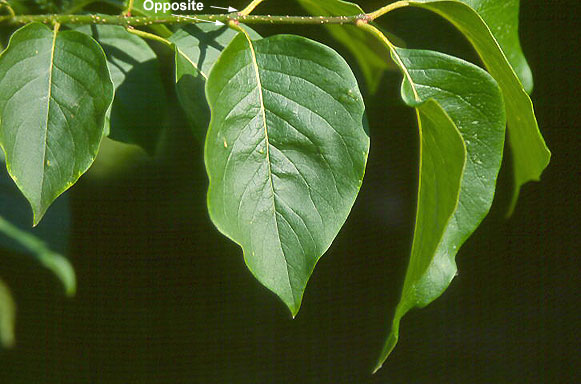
[450, 94]
[286, 149]
[286, 146]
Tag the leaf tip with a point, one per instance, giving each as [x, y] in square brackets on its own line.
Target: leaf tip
[294, 308]
[388, 347]
[38, 207]
[513, 202]
[37, 215]
[63, 270]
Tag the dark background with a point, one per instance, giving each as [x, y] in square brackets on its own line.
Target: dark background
[164, 298]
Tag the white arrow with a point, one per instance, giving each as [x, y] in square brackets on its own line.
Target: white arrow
[229, 9]
[217, 22]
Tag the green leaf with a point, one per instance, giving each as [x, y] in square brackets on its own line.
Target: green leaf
[530, 153]
[7, 316]
[501, 16]
[372, 56]
[285, 154]
[197, 47]
[139, 110]
[54, 94]
[448, 212]
[53, 261]
[47, 242]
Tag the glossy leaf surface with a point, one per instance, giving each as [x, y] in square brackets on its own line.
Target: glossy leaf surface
[54, 94]
[139, 110]
[285, 154]
[530, 153]
[472, 101]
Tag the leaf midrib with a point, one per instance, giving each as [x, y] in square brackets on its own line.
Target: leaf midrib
[267, 155]
[49, 98]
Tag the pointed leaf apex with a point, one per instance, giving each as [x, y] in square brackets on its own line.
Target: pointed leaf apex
[295, 311]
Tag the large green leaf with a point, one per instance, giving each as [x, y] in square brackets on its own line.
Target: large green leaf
[139, 110]
[530, 153]
[54, 94]
[197, 47]
[47, 242]
[373, 58]
[285, 154]
[7, 316]
[473, 102]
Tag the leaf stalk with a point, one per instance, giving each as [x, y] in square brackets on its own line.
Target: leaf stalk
[127, 11]
[248, 10]
[388, 8]
[5, 4]
[150, 36]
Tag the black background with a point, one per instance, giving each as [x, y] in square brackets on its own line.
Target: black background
[164, 298]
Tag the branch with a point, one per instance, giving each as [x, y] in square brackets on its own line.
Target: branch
[242, 17]
[138, 21]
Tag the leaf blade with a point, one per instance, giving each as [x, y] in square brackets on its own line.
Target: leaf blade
[68, 71]
[263, 156]
[139, 111]
[530, 153]
[472, 100]
[502, 19]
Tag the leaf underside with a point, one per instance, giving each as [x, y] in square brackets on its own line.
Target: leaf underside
[502, 20]
[530, 153]
[285, 154]
[448, 210]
